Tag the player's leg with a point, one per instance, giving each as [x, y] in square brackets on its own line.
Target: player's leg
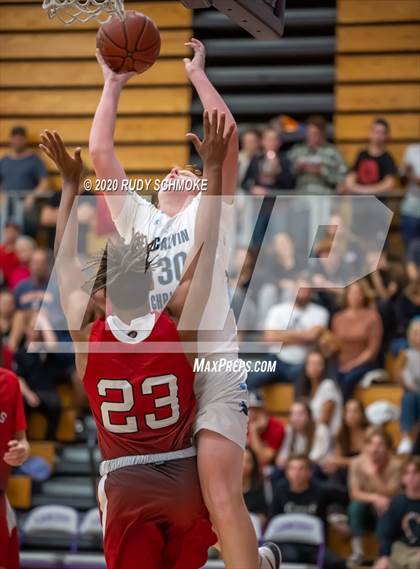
[9, 546]
[220, 465]
[189, 534]
[130, 540]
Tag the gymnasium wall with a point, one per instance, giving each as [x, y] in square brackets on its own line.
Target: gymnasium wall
[49, 78]
[378, 72]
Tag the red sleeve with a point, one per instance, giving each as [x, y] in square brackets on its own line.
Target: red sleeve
[20, 420]
[274, 434]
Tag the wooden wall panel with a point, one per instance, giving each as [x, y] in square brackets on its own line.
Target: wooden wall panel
[128, 130]
[71, 45]
[378, 72]
[358, 11]
[21, 17]
[371, 39]
[370, 68]
[387, 97]
[49, 79]
[83, 73]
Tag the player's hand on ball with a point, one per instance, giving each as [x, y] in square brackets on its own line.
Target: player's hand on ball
[198, 62]
[17, 453]
[70, 167]
[213, 148]
[118, 78]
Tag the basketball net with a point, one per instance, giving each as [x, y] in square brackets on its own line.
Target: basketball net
[69, 11]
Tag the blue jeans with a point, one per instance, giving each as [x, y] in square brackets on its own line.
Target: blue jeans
[410, 411]
[410, 228]
[284, 373]
[349, 380]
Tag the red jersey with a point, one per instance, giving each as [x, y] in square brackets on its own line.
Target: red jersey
[12, 418]
[142, 403]
[8, 263]
[274, 434]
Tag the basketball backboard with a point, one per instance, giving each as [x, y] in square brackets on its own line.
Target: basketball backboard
[264, 19]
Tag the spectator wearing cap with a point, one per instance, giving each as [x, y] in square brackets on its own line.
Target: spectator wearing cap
[398, 530]
[374, 478]
[8, 258]
[407, 370]
[317, 164]
[300, 493]
[358, 328]
[292, 328]
[22, 171]
[374, 171]
[410, 205]
[265, 433]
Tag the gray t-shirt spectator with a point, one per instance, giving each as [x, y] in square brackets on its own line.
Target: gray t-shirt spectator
[19, 174]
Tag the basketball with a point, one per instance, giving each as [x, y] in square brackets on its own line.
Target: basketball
[132, 44]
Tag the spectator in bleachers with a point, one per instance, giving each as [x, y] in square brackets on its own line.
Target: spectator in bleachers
[407, 370]
[410, 206]
[292, 328]
[323, 394]
[35, 292]
[270, 170]
[303, 436]
[40, 371]
[399, 528]
[253, 486]
[25, 246]
[279, 269]
[21, 170]
[300, 493]
[374, 478]
[348, 443]
[359, 330]
[374, 171]
[8, 258]
[384, 281]
[265, 433]
[413, 260]
[406, 306]
[317, 164]
[250, 143]
[7, 311]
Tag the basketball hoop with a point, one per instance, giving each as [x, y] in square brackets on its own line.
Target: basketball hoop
[69, 11]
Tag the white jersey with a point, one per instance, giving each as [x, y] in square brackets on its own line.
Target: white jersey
[173, 238]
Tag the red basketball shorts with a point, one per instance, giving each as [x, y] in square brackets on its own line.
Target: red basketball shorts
[9, 545]
[154, 517]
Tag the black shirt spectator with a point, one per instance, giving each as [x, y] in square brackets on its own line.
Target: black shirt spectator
[373, 169]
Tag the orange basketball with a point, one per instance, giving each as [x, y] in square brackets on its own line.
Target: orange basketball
[132, 44]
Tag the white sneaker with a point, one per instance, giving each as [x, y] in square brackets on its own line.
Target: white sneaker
[270, 556]
[405, 446]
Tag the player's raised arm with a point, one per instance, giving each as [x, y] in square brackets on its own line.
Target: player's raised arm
[67, 264]
[190, 299]
[101, 141]
[211, 99]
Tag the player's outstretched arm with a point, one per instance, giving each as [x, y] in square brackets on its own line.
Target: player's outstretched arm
[101, 140]
[211, 99]
[67, 265]
[190, 299]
